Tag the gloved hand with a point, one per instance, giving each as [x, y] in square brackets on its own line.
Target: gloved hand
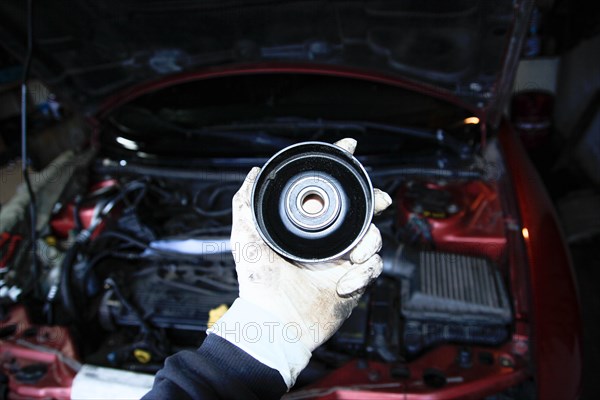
[286, 309]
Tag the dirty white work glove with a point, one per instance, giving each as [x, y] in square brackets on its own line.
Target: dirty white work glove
[286, 309]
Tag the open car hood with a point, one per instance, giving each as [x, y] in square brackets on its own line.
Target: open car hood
[88, 50]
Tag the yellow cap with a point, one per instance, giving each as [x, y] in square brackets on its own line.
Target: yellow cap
[215, 314]
[51, 241]
[143, 356]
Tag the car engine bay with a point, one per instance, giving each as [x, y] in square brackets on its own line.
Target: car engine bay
[135, 262]
[158, 262]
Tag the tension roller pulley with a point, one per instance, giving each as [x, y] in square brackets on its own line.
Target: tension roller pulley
[312, 202]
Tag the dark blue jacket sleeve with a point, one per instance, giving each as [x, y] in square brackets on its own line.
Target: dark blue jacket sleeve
[217, 370]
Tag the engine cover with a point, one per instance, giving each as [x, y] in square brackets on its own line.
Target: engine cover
[174, 296]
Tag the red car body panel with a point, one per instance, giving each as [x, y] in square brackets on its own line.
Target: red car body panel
[64, 220]
[37, 345]
[555, 309]
[477, 228]
[374, 380]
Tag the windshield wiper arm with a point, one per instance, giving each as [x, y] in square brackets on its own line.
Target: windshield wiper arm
[274, 133]
[229, 132]
[435, 135]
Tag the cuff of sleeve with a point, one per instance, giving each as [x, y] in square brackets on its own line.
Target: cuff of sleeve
[265, 338]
